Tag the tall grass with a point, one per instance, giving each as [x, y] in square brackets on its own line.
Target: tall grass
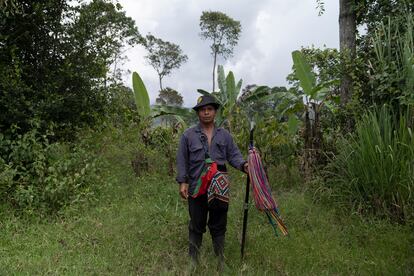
[374, 169]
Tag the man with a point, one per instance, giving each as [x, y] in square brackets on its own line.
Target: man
[200, 143]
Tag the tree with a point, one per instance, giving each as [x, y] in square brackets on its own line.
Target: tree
[377, 60]
[100, 33]
[55, 61]
[163, 56]
[347, 44]
[386, 50]
[223, 31]
[169, 96]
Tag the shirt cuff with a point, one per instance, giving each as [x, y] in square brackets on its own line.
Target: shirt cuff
[181, 180]
[242, 166]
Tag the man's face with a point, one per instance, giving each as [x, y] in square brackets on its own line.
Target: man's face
[206, 114]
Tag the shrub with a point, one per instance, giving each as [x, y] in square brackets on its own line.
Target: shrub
[156, 152]
[374, 170]
[36, 175]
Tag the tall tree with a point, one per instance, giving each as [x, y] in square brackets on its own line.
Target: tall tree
[169, 96]
[55, 59]
[223, 31]
[163, 56]
[347, 44]
[100, 33]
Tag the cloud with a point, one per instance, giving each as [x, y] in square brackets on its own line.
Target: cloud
[271, 30]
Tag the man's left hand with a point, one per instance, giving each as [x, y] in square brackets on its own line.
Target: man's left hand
[246, 168]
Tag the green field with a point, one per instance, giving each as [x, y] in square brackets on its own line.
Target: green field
[139, 227]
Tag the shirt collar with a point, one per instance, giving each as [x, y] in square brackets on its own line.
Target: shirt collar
[198, 129]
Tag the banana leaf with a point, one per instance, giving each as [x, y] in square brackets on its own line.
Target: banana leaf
[320, 91]
[221, 78]
[293, 125]
[177, 112]
[231, 87]
[303, 72]
[238, 88]
[203, 92]
[141, 96]
[159, 110]
[257, 94]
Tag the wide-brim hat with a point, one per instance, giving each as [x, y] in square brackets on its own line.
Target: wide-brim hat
[206, 100]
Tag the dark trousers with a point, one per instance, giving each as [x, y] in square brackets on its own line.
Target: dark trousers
[214, 215]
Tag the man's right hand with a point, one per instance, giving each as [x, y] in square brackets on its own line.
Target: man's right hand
[184, 190]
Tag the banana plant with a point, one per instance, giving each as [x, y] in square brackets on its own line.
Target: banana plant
[316, 95]
[146, 111]
[307, 102]
[227, 96]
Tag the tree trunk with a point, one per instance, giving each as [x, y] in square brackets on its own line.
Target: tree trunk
[347, 33]
[214, 70]
[313, 140]
[160, 82]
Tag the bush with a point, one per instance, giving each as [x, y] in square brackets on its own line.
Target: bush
[36, 175]
[374, 170]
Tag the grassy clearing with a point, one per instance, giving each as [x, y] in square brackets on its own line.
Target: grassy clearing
[139, 227]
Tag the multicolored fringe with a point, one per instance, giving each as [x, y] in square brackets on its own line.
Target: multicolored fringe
[261, 191]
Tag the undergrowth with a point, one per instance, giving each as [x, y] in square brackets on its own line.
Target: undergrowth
[139, 226]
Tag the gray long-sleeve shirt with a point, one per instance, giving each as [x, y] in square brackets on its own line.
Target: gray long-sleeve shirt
[191, 153]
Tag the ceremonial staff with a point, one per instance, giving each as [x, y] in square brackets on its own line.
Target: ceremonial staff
[246, 198]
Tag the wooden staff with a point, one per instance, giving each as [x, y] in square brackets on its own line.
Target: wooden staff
[246, 198]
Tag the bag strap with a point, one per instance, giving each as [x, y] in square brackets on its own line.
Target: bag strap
[204, 142]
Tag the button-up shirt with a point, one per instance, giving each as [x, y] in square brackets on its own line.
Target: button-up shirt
[192, 153]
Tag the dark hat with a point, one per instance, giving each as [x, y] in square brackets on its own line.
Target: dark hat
[206, 100]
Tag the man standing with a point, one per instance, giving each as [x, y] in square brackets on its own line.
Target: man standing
[199, 146]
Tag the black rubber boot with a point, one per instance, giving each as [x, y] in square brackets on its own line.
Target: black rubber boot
[218, 246]
[195, 241]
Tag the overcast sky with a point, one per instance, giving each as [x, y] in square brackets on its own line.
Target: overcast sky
[271, 30]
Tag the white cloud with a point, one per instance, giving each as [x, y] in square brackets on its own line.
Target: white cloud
[271, 30]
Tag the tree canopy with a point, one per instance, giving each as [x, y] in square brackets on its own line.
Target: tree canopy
[163, 56]
[169, 96]
[55, 61]
[224, 33]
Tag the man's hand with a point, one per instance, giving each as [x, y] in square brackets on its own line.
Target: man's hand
[246, 168]
[184, 190]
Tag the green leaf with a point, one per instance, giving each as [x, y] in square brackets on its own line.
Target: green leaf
[336, 99]
[238, 88]
[141, 96]
[181, 120]
[293, 125]
[231, 90]
[221, 79]
[160, 110]
[203, 92]
[290, 108]
[322, 88]
[321, 94]
[166, 110]
[257, 94]
[331, 107]
[303, 72]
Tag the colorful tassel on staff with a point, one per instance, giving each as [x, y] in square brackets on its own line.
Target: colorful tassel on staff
[261, 191]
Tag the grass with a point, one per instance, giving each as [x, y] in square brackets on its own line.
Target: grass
[373, 171]
[139, 227]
